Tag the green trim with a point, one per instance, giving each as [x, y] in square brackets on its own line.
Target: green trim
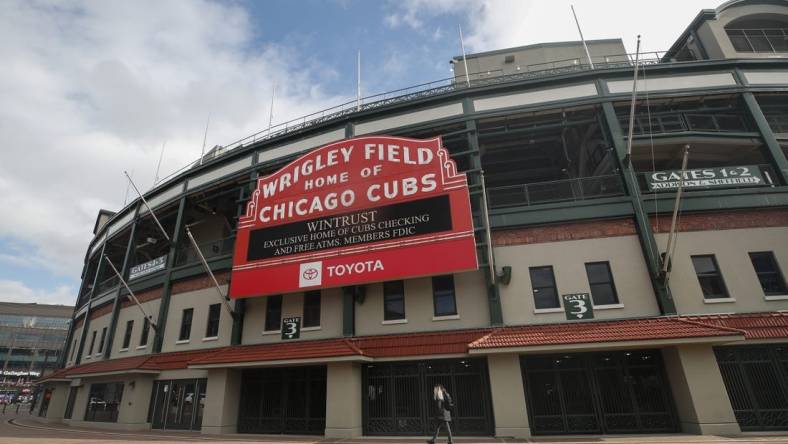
[645, 233]
[778, 157]
[86, 323]
[161, 323]
[602, 208]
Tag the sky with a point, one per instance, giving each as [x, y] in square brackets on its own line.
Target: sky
[89, 89]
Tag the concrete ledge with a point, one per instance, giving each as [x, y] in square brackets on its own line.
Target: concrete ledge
[513, 432]
[123, 426]
[724, 429]
[220, 430]
[336, 432]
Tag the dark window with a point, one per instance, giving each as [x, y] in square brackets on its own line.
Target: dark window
[92, 343]
[103, 337]
[127, 336]
[393, 300]
[273, 313]
[73, 349]
[709, 277]
[772, 280]
[103, 402]
[214, 312]
[72, 397]
[603, 290]
[443, 300]
[186, 324]
[145, 329]
[543, 285]
[312, 308]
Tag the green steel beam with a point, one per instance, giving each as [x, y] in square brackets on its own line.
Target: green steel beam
[349, 311]
[645, 233]
[86, 322]
[778, 157]
[177, 236]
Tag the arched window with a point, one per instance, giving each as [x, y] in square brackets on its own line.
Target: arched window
[763, 33]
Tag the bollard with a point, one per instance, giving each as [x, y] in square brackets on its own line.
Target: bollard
[4, 406]
[17, 408]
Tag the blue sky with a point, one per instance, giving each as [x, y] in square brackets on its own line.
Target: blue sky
[92, 88]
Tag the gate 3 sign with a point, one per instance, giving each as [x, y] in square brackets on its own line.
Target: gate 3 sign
[361, 210]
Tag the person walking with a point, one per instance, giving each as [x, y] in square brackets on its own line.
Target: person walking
[443, 407]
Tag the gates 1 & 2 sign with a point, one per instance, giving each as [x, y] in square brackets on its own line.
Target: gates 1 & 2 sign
[361, 210]
[723, 177]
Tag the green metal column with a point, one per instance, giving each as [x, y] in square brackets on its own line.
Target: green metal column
[349, 311]
[475, 186]
[645, 233]
[166, 290]
[86, 322]
[116, 304]
[778, 156]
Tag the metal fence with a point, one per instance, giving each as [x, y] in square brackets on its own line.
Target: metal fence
[556, 191]
[429, 89]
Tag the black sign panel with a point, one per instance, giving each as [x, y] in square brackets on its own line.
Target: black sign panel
[414, 218]
[291, 328]
[578, 306]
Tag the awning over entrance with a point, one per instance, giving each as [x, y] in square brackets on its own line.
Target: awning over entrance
[657, 331]
[617, 332]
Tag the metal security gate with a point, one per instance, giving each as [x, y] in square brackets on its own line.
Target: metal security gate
[616, 392]
[283, 400]
[756, 379]
[398, 397]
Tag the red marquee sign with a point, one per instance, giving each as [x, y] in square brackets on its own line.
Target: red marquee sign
[361, 210]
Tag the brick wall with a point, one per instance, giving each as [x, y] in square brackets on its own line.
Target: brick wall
[723, 221]
[101, 311]
[564, 232]
[143, 296]
[199, 283]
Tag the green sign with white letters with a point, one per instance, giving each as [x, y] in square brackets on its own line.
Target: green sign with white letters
[578, 306]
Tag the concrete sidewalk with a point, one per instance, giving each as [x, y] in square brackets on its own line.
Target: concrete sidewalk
[23, 429]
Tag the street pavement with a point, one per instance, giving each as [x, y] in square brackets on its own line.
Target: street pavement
[23, 429]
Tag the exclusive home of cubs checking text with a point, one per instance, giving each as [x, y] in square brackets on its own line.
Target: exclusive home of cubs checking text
[494, 232]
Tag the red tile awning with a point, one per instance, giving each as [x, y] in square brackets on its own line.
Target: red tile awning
[419, 344]
[280, 351]
[599, 332]
[771, 325]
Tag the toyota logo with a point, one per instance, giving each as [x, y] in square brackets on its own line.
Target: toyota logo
[310, 273]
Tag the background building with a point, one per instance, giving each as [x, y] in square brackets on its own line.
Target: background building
[574, 328]
[32, 337]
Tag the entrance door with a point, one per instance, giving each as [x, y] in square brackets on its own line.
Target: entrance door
[617, 392]
[398, 397]
[178, 404]
[283, 400]
[756, 379]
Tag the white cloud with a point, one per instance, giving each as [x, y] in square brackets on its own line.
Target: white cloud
[90, 89]
[497, 24]
[15, 291]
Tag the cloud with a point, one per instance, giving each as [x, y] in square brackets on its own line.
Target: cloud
[15, 291]
[497, 24]
[90, 89]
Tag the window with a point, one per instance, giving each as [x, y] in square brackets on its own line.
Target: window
[186, 324]
[393, 300]
[273, 313]
[145, 329]
[543, 285]
[312, 308]
[101, 342]
[603, 290]
[769, 275]
[443, 301]
[92, 343]
[73, 349]
[127, 335]
[709, 277]
[72, 398]
[214, 312]
[103, 402]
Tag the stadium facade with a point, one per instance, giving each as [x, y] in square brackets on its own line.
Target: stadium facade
[570, 323]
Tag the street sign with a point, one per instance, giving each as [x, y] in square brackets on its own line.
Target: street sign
[578, 306]
[702, 178]
[291, 328]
